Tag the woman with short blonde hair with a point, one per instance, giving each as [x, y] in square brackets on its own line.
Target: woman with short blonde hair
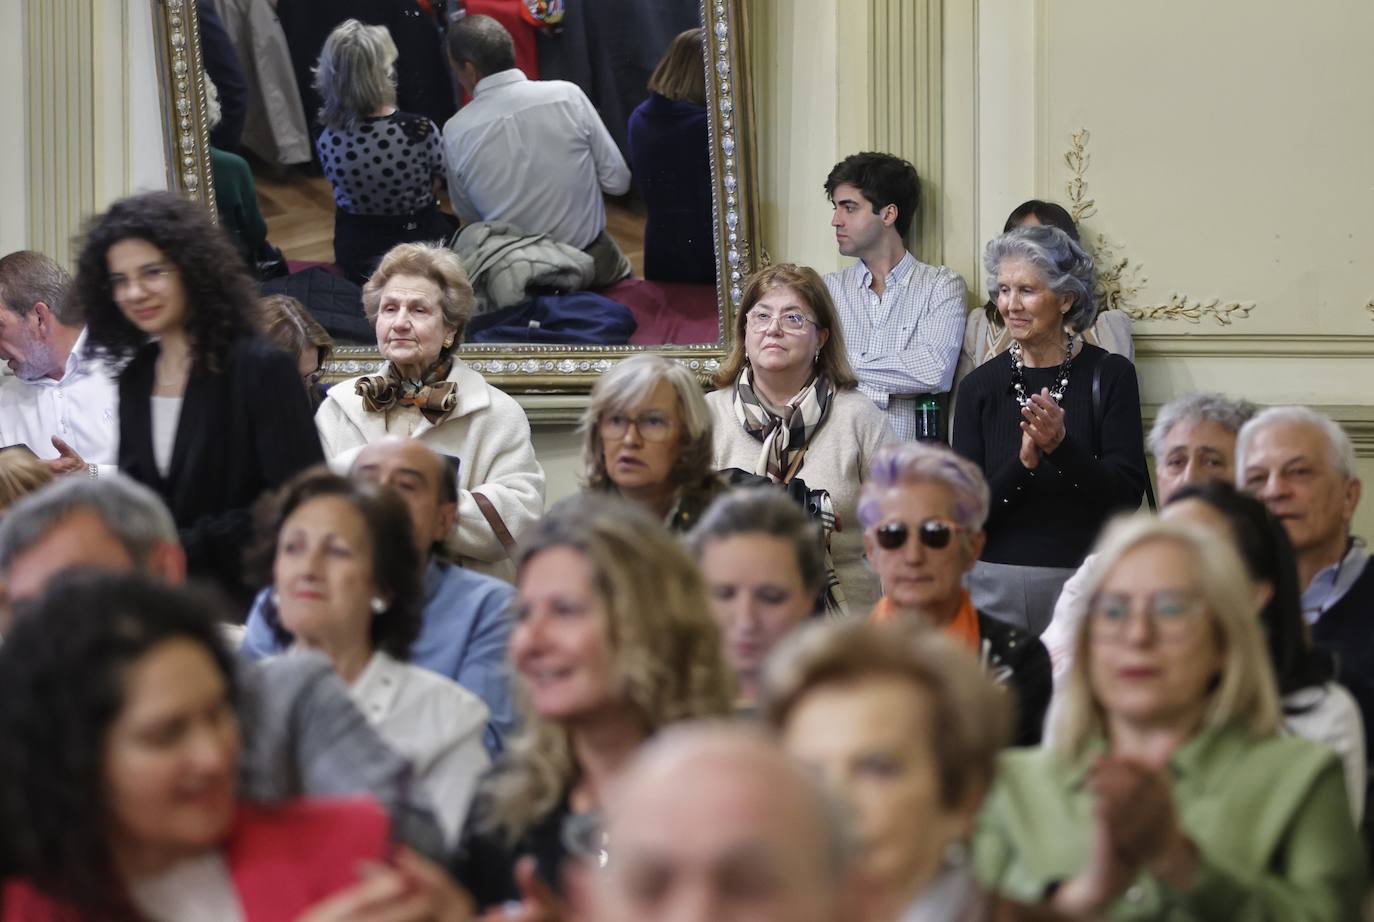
[1168, 790]
[789, 409]
[613, 640]
[21, 473]
[646, 434]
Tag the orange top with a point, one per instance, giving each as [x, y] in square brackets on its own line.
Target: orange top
[963, 627]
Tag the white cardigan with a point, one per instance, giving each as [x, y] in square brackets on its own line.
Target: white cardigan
[837, 461]
[435, 723]
[487, 431]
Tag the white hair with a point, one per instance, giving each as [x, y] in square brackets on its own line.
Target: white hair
[1340, 451]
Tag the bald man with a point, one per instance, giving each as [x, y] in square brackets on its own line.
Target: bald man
[465, 628]
[717, 824]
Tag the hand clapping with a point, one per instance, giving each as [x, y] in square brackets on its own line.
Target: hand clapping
[1043, 422]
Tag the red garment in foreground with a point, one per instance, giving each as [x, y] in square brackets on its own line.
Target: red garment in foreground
[283, 859]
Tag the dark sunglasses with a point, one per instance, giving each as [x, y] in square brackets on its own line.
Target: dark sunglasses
[932, 534]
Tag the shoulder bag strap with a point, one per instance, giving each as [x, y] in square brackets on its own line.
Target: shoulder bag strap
[493, 518]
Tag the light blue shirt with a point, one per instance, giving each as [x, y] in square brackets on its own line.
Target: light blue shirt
[1329, 586]
[464, 634]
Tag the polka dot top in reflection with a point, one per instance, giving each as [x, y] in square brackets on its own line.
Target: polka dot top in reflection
[386, 166]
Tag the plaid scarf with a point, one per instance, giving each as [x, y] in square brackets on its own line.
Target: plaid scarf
[433, 394]
[783, 438]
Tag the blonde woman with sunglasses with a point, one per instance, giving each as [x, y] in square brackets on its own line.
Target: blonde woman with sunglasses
[922, 509]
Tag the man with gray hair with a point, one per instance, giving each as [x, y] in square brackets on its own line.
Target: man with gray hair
[1302, 465]
[1193, 441]
[301, 733]
[61, 403]
[714, 823]
[532, 153]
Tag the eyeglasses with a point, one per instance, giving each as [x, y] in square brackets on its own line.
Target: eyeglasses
[652, 426]
[792, 322]
[933, 533]
[1171, 612]
[148, 277]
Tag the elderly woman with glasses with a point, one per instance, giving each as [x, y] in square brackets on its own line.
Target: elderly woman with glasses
[646, 434]
[922, 511]
[1168, 791]
[1053, 423]
[788, 408]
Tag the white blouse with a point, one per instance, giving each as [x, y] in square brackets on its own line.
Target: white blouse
[197, 890]
[166, 415]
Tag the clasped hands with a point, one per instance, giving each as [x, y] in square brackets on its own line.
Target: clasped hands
[1042, 428]
[1135, 830]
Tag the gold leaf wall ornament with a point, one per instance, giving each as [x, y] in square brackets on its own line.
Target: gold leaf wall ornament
[1181, 307]
[1119, 280]
[1370, 307]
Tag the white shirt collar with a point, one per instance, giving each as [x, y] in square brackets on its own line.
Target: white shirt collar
[499, 79]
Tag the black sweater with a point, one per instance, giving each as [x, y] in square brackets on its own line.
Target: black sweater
[1050, 517]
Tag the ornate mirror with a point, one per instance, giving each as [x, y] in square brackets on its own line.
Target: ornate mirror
[691, 323]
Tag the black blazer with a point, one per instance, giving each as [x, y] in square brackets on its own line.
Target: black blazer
[1019, 661]
[241, 432]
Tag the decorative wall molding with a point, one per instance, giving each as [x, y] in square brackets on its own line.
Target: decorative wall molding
[906, 110]
[1119, 280]
[1254, 345]
[59, 55]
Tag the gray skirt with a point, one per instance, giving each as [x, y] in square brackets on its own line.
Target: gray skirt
[1021, 596]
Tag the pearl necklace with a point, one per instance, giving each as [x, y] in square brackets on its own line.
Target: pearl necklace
[1061, 375]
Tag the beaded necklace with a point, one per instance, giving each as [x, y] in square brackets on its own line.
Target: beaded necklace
[1061, 374]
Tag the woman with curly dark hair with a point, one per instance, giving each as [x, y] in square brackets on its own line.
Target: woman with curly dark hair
[346, 578]
[119, 757]
[211, 414]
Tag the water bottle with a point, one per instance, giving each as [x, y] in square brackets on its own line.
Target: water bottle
[928, 423]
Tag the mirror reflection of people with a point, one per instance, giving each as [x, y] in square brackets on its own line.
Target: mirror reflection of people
[646, 435]
[670, 155]
[763, 561]
[211, 414]
[60, 401]
[126, 784]
[1053, 423]
[903, 725]
[288, 323]
[715, 824]
[613, 641]
[788, 408]
[1168, 790]
[532, 153]
[345, 576]
[382, 162]
[902, 319]
[922, 510]
[419, 301]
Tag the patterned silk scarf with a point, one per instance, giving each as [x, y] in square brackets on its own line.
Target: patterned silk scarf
[784, 437]
[433, 394]
[783, 446]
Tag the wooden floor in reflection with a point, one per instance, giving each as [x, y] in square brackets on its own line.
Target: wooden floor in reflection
[299, 211]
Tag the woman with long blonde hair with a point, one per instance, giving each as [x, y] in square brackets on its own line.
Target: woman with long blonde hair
[613, 641]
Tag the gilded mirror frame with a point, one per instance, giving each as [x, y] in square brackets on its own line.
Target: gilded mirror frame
[527, 368]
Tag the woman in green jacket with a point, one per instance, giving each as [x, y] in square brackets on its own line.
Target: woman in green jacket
[1169, 793]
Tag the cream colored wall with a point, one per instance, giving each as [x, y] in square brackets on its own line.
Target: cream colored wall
[14, 216]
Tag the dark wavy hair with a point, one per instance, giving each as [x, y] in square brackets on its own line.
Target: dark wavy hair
[395, 559]
[220, 296]
[1268, 555]
[62, 686]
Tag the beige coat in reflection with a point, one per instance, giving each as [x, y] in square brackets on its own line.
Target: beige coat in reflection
[486, 431]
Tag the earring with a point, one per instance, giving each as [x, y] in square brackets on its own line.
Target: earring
[378, 605]
[275, 598]
[448, 341]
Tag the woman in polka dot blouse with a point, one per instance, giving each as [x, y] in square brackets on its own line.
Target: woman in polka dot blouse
[381, 162]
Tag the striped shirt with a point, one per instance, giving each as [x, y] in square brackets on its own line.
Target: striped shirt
[906, 342]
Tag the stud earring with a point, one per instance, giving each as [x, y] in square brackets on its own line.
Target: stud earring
[378, 605]
[448, 341]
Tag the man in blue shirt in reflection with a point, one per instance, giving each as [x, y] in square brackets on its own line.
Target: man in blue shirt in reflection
[465, 628]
